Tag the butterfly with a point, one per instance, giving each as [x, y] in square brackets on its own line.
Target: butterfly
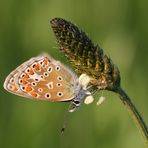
[44, 78]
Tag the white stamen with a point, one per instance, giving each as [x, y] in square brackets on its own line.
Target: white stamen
[88, 93]
[84, 80]
[89, 99]
[101, 100]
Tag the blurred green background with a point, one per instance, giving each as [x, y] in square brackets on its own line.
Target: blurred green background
[120, 27]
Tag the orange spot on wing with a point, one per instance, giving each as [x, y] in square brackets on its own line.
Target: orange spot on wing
[45, 62]
[31, 72]
[28, 88]
[24, 81]
[33, 94]
[36, 67]
[26, 75]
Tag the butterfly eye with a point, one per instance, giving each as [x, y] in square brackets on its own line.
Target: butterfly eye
[58, 68]
[49, 69]
[47, 95]
[58, 84]
[76, 101]
[59, 94]
[60, 78]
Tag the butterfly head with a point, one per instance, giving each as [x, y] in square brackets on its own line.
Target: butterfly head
[81, 92]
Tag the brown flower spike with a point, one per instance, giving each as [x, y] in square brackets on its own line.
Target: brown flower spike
[85, 56]
[89, 58]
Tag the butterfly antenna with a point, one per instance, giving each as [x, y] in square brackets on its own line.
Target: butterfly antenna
[65, 120]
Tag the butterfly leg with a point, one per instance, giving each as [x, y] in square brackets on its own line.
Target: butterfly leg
[75, 104]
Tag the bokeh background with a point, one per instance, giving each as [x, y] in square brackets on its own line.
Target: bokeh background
[120, 27]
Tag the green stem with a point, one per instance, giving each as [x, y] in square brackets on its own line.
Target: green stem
[134, 114]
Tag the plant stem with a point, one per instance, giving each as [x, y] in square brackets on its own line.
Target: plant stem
[134, 114]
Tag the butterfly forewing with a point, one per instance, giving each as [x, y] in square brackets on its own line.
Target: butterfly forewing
[42, 78]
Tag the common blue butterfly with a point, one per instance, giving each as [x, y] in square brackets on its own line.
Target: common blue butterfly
[44, 78]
